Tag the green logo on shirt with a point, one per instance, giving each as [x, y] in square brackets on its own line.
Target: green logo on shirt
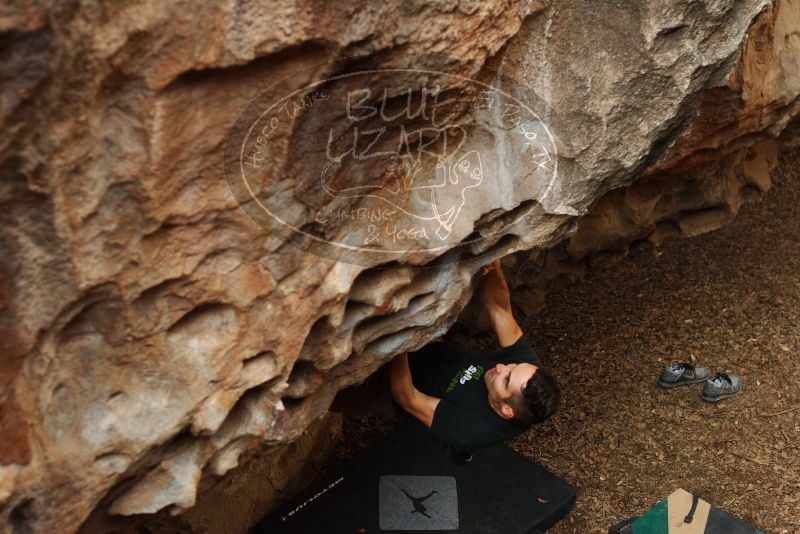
[473, 372]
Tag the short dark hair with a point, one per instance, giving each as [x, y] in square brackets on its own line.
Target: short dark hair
[537, 400]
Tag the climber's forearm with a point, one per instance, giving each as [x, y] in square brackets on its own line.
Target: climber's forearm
[493, 292]
[406, 395]
[495, 296]
[402, 387]
[505, 326]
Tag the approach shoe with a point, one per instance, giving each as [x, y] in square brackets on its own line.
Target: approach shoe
[721, 387]
[679, 374]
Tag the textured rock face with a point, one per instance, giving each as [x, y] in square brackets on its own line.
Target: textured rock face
[152, 333]
[235, 502]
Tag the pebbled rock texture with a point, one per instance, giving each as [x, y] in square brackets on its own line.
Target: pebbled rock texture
[152, 335]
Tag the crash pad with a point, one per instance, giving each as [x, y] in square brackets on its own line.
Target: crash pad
[405, 482]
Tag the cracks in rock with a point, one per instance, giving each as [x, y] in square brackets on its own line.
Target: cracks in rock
[201, 339]
[355, 312]
[304, 379]
[375, 286]
[495, 251]
[408, 295]
[292, 404]
[258, 369]
[390, 343]
[490, 222]
[319, 335]
[23, 517]
[112, 462]
[93, 314]
[196, 318]
[315, 50]
[208, 221]
[674, 32]
[148, 297]
[173, 482]
[149, 482]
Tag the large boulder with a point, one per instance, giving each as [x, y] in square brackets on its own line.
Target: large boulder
[160, 319]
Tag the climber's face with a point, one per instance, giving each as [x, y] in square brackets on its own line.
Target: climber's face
[504, 381]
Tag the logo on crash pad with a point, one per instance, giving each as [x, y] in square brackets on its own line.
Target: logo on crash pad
[417, 502]
[419, 508]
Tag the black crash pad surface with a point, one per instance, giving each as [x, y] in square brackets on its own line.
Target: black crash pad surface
[403, 482]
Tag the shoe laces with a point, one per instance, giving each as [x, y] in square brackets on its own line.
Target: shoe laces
[719, 377]
[681, 367]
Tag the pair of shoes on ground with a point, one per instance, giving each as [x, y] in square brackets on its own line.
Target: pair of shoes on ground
[721, 386]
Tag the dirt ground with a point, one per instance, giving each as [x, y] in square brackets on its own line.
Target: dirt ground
[729, 300]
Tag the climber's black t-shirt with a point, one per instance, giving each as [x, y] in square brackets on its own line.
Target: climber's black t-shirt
[464, 418]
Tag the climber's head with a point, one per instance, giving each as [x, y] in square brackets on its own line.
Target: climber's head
[522, 391]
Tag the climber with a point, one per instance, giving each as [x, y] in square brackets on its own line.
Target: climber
[468, 398]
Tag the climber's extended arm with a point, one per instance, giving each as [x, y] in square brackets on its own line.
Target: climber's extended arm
[406, 395]
[496, 299]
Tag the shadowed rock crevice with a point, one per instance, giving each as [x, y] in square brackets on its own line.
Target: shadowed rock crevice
[23, 517]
